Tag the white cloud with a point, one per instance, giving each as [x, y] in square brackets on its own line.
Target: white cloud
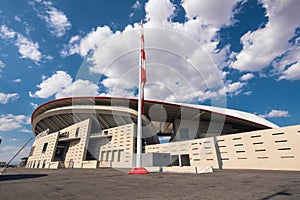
[27, 48]
[175, 70]
[52, 85]
[56, 20]
[159, 12]
[24, 130]
[61, 85]
[234, 88]
[18, 80]
[262, 46]
[247, 93]
[90, 42]
[6, 33]
[137, 5]
[2, 65]
[34, 105]
[6, 98]
[292, 73]
[288, 66]
[276, 113]
[48, 57]
[247, 77]
[182, 52]
[17, 18]
[78, 88]
[74, 39]
[210, 12]
[182, 61]
[13, 122]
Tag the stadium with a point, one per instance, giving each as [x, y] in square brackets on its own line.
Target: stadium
[95, 132]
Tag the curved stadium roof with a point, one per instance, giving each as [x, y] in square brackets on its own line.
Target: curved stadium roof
[112, 111]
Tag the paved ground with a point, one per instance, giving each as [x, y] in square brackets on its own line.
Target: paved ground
[112, 184]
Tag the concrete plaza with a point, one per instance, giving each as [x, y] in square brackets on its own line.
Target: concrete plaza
[108, 183]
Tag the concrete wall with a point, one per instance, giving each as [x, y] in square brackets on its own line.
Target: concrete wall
[267, 149]
[200, 152]
[40, 159]
[76, 152]
[117, 149]
[276, 149]
[77, 149]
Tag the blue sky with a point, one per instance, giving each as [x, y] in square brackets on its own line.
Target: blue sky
[249, 52]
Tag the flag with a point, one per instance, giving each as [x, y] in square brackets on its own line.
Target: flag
[142, 67]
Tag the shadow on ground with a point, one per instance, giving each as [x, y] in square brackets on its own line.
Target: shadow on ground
[281, 193]
[10, 177]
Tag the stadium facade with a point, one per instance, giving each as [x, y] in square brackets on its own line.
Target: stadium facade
[92, 132]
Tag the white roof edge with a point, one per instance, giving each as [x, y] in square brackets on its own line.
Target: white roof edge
[235, 113]
[224, 111]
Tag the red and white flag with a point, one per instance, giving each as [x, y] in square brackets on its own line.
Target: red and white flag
[142, 67]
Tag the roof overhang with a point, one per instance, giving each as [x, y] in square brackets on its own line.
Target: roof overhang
[61, 113]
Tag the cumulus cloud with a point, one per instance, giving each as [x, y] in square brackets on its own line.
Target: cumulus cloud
[292, 73]
[288, 66]
[88, 43]
[264, 45]
[6, 98]
[159, 12]
[175, 70]
[78, 88]
[247, 77]
[169, 58]
[61, 85]
[6, 33]
[210, 12]
[234, 88]
[56, 20]
[53, 84]
[27, 48]
[13, 122]
[182, 60]
[276, 113]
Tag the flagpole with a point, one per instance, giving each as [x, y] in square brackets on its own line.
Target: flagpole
[142, 79]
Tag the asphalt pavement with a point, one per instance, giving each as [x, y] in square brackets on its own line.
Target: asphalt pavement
[105, 183]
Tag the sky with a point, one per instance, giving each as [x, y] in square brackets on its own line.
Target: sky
[239, 54]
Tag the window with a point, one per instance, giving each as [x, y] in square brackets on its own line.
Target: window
[174, 160]
[45, 147]
[77, 131]
[31, 151]
[185, 160]
[44, 163]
